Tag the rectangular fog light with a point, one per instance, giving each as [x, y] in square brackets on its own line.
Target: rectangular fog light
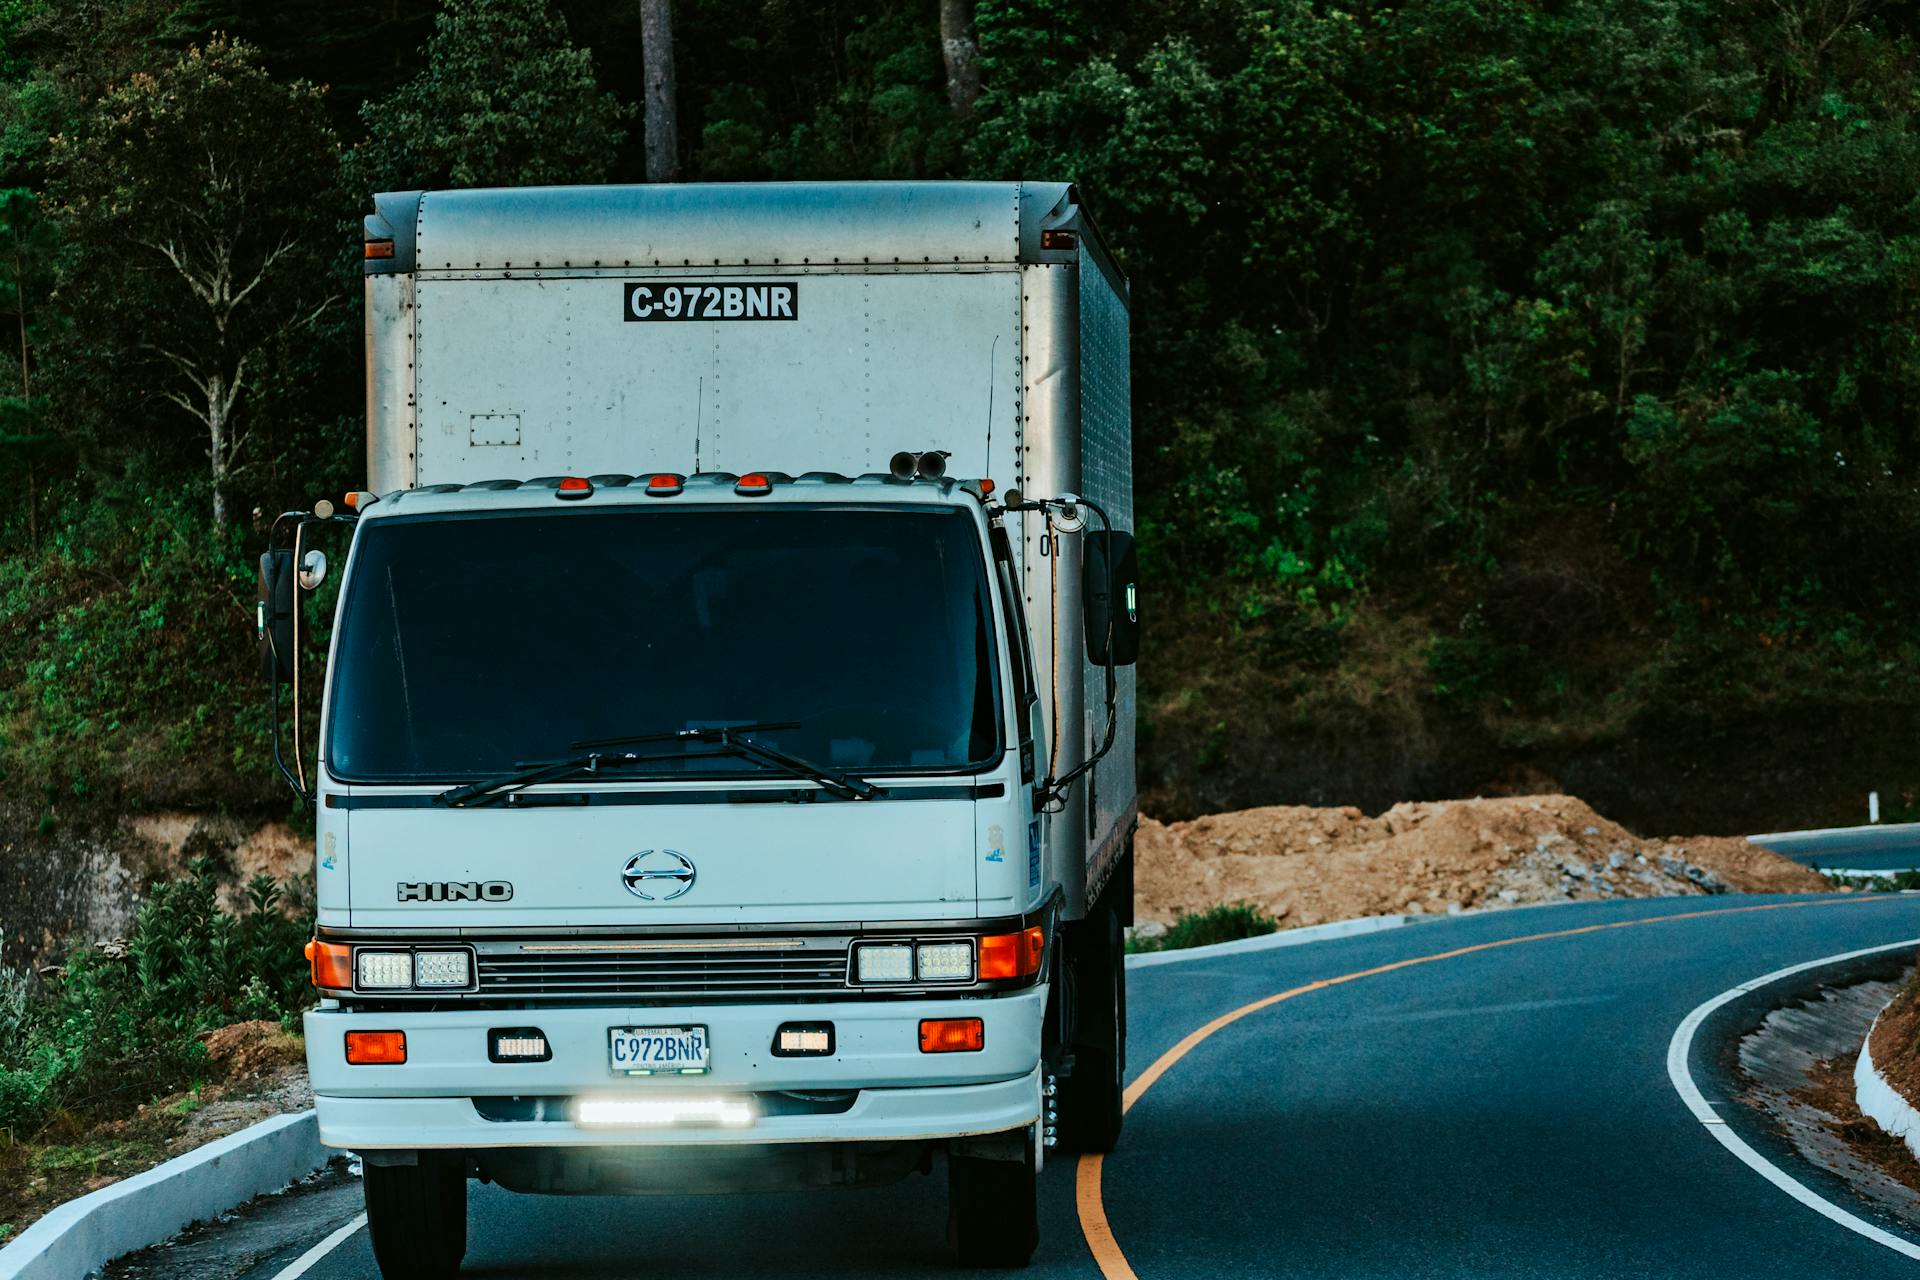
[803, 1040]
[441, 969]
[383, 970]
[518, 1044]
[888, 963]
[945, 961]
[659, 1112]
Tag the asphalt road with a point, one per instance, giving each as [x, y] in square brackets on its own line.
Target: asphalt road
[1505, 1112]
[1875, 850]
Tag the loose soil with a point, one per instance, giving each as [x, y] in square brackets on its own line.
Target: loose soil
[1896, 1042]
[255, 1069]
[1307, 865]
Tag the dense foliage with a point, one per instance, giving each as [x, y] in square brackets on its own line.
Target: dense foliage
[1516, 382]
[120, 1025]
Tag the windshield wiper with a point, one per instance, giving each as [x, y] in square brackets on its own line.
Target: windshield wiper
[727, 739]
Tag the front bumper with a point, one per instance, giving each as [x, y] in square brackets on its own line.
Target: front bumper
[901, 1093]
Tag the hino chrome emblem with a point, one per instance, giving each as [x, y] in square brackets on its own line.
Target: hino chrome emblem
[456, 891]
[658, 875]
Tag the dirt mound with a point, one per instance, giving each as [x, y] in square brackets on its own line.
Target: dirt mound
[1307, 865]
[247, 1051]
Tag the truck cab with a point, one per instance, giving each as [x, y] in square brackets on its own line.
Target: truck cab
[741, 798]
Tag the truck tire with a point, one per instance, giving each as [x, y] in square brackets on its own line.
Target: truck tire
[1090, 1097]
[993, 1217]
[417, 1216]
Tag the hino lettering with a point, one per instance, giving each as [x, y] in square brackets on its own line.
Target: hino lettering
[712, 300]
[747, 596]
[456, 891]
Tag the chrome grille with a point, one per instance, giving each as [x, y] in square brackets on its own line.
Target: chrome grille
[664, 970]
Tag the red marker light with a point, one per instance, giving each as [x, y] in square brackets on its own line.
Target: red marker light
[575, 487]
[754, 484]
[665, 485]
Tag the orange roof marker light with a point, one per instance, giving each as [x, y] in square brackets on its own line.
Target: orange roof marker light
[665, 485]
[574, 487]
[359, 500]
[754, 484]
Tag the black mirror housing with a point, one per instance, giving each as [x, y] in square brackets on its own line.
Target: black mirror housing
[1110, 591]
[273, 617]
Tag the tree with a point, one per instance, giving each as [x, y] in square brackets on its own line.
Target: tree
[663, 126]
[961, 54]
[200, 219]
[505, 100]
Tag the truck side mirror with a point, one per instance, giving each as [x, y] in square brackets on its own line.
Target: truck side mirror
[273, 617]
[1111, 574]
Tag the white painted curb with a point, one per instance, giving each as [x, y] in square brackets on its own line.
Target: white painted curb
[1268, 941]
[85, 1234]
[1880, 1102]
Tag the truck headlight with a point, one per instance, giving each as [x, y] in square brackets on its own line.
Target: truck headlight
[887, 962]
[441, 969]
[383, 970]
[945, 961]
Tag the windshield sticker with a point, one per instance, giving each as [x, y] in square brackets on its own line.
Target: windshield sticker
[996, 839]
[710, 300]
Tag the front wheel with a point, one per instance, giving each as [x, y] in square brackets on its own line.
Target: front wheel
[417, 1216]
[993, 1217]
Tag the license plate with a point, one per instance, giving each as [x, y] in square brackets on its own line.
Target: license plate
[658, 1051]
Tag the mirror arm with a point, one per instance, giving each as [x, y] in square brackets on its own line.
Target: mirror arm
[296, 776]
[1055, 789]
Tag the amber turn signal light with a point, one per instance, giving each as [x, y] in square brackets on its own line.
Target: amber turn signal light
[952, 1035]
[377, 1048]
[332, 965]
[1013, 955]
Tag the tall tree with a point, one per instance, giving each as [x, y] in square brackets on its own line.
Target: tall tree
[506, 99]
[198, 210]
[961, 54]
[663, 124]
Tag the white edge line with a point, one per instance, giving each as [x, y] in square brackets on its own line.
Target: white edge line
[1682, 1044]
[304, 1263]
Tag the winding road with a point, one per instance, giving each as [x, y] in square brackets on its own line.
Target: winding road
[1483, 1096]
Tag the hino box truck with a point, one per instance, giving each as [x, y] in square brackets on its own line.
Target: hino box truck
[725, 766]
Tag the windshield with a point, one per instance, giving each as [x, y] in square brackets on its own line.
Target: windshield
[859, 638]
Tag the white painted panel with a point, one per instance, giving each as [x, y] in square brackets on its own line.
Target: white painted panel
[873, 364]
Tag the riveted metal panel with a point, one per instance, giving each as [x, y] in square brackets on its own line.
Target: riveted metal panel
[545, 376]
[1106, 476]
[1051, 570]
[721, 224]
[390, 405]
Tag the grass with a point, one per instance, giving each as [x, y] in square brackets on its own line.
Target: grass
[1896, 882]
[1227, 923]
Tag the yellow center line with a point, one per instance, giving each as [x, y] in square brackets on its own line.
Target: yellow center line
[1098, 1231]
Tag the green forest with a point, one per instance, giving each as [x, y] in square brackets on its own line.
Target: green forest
[1527, 391]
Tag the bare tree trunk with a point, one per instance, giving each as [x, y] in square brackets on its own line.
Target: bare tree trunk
[663, 124]
[20, 310]
[217, 447]
[962, 55]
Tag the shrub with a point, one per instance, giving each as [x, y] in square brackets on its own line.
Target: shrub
[119, 1024]
[1226, 923]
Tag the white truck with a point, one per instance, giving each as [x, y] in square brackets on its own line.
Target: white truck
[725, 772]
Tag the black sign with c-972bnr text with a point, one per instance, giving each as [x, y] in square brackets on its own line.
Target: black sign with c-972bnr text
[712, 300]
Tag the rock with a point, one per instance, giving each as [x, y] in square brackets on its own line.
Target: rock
[1575, 868]
[1508, 895]
[1616, 860]
[1593, 831]
[1148, 929]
